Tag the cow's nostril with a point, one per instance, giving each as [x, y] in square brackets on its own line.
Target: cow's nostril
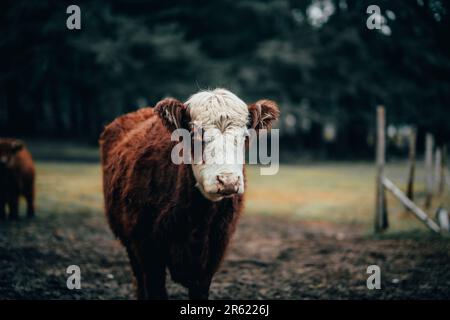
[227, 183]
[221, 179]
[225, 178]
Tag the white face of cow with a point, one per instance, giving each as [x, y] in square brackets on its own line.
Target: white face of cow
[219, 120]
[222, 119]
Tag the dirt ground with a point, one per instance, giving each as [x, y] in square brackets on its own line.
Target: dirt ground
[270, 258]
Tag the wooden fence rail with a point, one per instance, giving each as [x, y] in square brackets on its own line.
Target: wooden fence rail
[419, 213]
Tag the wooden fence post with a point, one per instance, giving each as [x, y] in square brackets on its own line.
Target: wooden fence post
[437, 169]
[443, 172]
[381, 221]
[412, 164]
[429, 169]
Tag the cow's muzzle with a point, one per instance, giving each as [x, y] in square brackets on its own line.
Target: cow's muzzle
[227, 184]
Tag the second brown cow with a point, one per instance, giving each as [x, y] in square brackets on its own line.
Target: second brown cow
[16, 178]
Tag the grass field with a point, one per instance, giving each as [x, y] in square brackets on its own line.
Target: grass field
[332, 192]
[336, 192]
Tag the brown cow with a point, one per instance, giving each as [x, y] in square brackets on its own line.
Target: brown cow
[179, 217]
[16, 178]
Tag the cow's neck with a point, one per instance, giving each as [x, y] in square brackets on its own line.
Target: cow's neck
[196, 204]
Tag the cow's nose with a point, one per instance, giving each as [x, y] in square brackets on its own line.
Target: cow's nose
[228, 183]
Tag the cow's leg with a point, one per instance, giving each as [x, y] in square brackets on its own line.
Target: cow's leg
[200, 289]
[155, 280]
[13, 203]
[137, 272]
[154, 274]
[29, 196]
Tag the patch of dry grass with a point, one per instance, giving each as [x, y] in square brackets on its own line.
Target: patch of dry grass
[69, 187]
[337, 192]
[333, 192]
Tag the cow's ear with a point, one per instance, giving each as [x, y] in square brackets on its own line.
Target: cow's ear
[173, 114]
[17, 145]
[262, 114]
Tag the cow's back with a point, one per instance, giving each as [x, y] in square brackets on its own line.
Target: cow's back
[120, 127]
[24, 167]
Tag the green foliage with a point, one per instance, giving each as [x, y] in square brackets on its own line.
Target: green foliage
[63, 83]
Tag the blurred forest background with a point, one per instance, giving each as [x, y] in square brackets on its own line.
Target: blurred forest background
[317, 58]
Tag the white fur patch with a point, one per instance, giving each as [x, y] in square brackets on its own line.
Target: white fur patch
[223, 117]
[217, 108]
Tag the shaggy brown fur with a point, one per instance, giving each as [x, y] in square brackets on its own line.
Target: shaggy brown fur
[154, 208]
[16, 178]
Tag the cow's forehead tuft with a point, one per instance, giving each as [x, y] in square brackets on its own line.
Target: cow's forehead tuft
[217, 108]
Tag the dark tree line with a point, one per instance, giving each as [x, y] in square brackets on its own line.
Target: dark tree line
[60, 83]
